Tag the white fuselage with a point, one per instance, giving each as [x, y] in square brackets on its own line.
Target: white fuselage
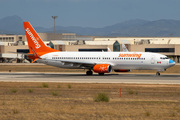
[118, 60]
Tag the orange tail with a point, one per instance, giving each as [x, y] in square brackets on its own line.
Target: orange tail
[35, 43]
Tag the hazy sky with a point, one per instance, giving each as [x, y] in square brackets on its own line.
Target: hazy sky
[89, 13]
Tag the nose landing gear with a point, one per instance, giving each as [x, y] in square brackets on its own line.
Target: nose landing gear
[158, 74]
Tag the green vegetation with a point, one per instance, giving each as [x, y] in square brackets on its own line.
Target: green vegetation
[101, 97]
[14, 90]
[3, 103]
[58, 86]
[15, 111]
[69, 86]
[55, 93]
[130, 91]
[30, 90]
[72, 107]
[172, 115]
[45, 85]
[148, 114]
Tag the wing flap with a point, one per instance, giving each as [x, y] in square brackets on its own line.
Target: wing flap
[78, 64]
[83, 64]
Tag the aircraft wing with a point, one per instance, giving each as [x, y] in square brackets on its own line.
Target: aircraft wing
[78, 64]
[83, 64]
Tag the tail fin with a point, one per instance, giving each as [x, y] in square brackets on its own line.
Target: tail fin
[35, 43]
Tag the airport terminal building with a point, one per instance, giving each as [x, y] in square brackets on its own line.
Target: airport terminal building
[11, 46]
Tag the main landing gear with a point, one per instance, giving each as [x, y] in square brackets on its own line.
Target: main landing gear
[101, 73]
[158, 74]
[89, 72]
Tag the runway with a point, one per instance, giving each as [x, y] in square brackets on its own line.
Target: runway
[95, 78]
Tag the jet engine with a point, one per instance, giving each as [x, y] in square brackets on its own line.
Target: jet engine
[102, 68]
[122, 70]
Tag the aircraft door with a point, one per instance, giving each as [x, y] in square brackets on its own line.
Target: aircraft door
[152, 59]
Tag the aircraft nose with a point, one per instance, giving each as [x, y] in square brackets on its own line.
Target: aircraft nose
[171, 62]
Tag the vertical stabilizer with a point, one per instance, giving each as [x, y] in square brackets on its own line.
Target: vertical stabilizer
[35, 42]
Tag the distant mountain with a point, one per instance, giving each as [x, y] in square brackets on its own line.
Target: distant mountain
[152, 28]
[136, 28]
[11, 25]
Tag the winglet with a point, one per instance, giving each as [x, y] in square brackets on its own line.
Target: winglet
[124, 48]
[109, 50]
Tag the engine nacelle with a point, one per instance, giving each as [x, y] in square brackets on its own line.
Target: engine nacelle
[102, 68]
[122, 70]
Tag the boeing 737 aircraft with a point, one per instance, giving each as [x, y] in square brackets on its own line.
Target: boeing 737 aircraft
[99, 62]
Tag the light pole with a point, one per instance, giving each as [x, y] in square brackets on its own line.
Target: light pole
[54, 17]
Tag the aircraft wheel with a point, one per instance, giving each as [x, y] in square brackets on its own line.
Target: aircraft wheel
[89, 73]
[158, 74]
[101, 73]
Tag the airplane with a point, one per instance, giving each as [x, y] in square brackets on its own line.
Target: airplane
[99, 62]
